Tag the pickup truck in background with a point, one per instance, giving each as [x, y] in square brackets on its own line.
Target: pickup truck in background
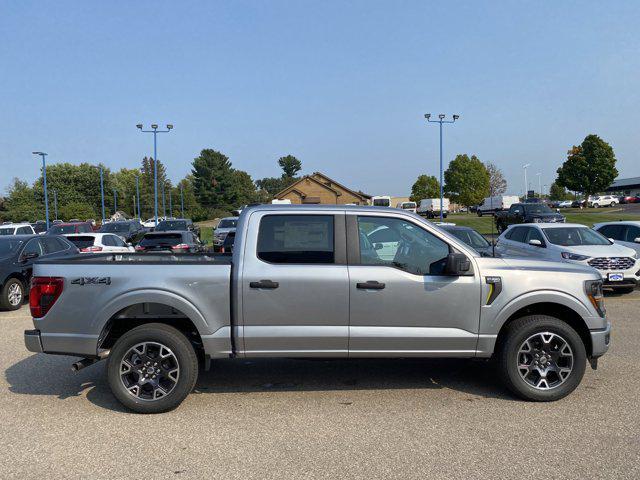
[526, 213]
[318, 281]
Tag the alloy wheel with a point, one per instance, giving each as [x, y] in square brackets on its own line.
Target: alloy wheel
[149, 371]
[15, 294]
[545, 360]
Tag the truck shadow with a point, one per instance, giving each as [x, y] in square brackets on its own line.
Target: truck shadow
[51, 376]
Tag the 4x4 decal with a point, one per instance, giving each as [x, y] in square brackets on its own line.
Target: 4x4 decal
[91, 281]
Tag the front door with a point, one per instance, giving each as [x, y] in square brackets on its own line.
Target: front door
[295, 287]
[401, 302]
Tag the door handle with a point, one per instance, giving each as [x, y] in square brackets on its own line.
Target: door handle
[370, 285]
[264, 284]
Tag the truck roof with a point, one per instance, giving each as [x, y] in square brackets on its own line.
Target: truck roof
[306, 208]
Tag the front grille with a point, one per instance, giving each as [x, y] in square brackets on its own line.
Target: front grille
[612, 263]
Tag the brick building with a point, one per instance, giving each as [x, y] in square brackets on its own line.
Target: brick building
[317, 188]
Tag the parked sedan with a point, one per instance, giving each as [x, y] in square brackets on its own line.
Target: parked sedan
[565, 204]
[625, 233]
[171, 242]
[629, 199]
[571, 242]
[17, 254]
[472, 238]
[99, 242]
[131, 231]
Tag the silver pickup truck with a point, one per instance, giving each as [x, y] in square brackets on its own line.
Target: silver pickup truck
[318, 281]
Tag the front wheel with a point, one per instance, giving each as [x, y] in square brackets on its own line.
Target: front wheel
[152, 368]
[541, 358]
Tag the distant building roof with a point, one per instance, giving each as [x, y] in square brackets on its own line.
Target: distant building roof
[620, 183]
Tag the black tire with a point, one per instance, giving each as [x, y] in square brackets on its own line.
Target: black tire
[7, 296]
[479, 213]
[508, 357]
[185, 359]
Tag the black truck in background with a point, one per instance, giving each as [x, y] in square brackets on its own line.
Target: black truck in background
[526, 213]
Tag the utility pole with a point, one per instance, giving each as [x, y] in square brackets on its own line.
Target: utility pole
[441, 120]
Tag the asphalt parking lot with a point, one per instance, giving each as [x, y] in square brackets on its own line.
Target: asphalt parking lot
[322, 419]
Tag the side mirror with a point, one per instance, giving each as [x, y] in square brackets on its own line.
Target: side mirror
[29, 256]
[457, 264]
[557, 210]
[636, 240]
[535, 242]
[378, 246]
[611, 240]
[129, 244]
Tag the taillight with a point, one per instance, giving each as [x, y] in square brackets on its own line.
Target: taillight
[180, 247]
[44, 293]
[139, 248]
[91, 249]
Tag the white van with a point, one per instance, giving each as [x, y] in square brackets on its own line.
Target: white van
[410, 206]
[497, 203]
[430, 207]
[275, 201]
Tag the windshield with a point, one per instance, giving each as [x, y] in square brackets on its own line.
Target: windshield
[228, 223]
[470, 237]
[574, 236]
[7, 231]
[115, 228]
[167, 225]
[8, 246]
[407, 205]
[381, 202]
[537, 208]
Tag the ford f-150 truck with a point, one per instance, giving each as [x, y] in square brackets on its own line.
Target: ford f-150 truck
[318, 281]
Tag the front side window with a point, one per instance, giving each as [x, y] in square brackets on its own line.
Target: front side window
[296, 239]
[613, 231]
[32, 246]
[534, 234]
[394, 242]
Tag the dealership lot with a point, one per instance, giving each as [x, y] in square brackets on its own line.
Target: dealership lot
[322, 419]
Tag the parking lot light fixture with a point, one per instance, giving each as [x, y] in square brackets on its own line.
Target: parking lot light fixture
[115, 201]
[181, 202]
[138, 195]
[155, 131]
[44, 181]
[526, 185]
[440, 121]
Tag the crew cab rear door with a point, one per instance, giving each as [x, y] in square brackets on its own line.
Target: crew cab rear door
[294, 285]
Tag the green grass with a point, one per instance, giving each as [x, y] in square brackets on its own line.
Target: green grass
[586, 217]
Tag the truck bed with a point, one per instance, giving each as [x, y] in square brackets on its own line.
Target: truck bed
[146, 258]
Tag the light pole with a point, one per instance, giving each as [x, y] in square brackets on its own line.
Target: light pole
[539, 184]
[155, 131]
[170, 205]
[55, 203]
[115, 201]
[526, 185]
[44, 178]
[181, 202]
[138, 196]
[441, 120]
[164, 209]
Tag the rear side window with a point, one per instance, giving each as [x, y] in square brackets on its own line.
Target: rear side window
[81, 242]
[107, 241]
[53, 245]
[24, 230]
[296, 239]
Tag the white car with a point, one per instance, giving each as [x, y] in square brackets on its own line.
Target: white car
[151, 223]
[572, 242]
[99, 243]
[17, 229]
[624, 233]
[603, 201]
[565, 204]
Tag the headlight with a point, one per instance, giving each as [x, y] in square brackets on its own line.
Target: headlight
[593, 289]
[574, 256]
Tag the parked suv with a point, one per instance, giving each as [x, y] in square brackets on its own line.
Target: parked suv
[575, 243]
[526, 213]
[17, 229]
[131, 231]
[603, 201]
[70, 227]
[625, 233]
[178, 225]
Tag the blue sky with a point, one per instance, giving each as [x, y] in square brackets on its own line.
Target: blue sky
[341, 85]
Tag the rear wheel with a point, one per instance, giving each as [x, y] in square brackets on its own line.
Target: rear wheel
[152, 368]
[479, 213]
[12, 295]
[541, 358]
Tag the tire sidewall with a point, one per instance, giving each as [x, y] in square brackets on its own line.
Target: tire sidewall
[179, 345]
[516, 337]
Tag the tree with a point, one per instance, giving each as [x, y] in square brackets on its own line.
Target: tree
[426, 186]
[217, 184]
[290, 166]
[590, 167]
[21, 203]
[81, 210]
[497, 182]
[147, 186]
[558, 192]
[466, 180]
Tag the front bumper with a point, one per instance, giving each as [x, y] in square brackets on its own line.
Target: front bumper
[32, 341]
[600, 340]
